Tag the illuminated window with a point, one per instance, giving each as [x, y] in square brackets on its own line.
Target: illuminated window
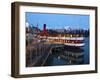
[71, 35]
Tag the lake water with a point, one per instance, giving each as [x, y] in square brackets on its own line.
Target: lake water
[69, 55]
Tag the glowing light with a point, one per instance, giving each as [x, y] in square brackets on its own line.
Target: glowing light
[70, 35]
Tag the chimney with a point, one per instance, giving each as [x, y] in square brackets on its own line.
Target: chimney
[44, 28]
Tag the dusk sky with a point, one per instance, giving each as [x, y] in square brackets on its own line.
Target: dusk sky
[57, 21]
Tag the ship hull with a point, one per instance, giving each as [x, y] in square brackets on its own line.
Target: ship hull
[75, 45]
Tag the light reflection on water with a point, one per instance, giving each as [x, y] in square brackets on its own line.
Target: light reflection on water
[69, 55]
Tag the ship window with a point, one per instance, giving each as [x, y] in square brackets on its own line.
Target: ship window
[70, 35]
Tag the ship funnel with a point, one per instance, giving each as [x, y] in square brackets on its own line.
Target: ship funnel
[44, 28]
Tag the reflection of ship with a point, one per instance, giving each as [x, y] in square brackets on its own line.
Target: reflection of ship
[72, 57]
[68, 39]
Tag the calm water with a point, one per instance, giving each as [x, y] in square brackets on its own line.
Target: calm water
[69, 55]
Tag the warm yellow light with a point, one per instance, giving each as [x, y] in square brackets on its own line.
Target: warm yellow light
[77, 35]
[70, 35]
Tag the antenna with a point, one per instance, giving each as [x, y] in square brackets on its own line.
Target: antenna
[37, 28]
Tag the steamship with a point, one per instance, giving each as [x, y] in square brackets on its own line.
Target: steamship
[74, 40]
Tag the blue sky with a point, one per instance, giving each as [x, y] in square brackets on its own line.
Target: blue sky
[57, 21]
